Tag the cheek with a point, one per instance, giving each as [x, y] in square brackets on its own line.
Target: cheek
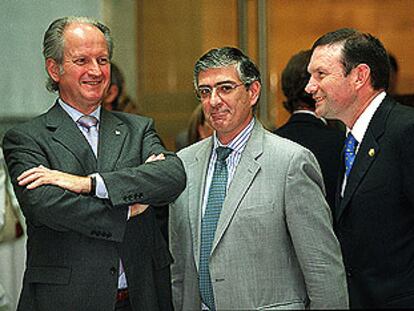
[106, 71]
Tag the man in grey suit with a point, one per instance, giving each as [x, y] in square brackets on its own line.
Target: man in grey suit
[265, 241]
[81, 178]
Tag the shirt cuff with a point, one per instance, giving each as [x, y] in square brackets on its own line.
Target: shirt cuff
[101, 191]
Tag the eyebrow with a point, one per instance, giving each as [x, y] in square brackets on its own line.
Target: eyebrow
[219, 83]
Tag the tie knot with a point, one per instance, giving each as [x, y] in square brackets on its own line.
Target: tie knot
[350, 143]
[223, 153]
[88, 121]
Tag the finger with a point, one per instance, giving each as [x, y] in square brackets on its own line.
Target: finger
[27, 173]
[160, 157]
[29, 178]
[150, 158]
[31, 171]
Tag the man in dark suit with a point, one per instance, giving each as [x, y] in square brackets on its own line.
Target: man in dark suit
[374, 214]
[305, 128]
[93, 243]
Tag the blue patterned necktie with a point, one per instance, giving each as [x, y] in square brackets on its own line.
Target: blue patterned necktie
[90, 123]
[216, 195]
[350, 147]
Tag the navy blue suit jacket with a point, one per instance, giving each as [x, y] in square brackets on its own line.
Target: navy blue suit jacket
[374, 221]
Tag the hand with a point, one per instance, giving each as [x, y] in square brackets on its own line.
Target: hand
[40, 175]
[154, 157]
[137, 208]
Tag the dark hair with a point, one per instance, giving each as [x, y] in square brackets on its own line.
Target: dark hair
[197, 119]
[225, 57]
[117, 78]
[53, 41]
[360, 48]
[295, 76]
[393, 63]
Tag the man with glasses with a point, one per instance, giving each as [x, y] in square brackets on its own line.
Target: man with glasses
[252, 229]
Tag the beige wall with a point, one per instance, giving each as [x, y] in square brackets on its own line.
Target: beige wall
[295, 24]
[171, 34]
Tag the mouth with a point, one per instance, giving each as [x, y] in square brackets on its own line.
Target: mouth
[92, 83]
[218, 115]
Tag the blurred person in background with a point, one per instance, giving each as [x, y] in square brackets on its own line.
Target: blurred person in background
[305, 128]
[12, 243]
[116, 98]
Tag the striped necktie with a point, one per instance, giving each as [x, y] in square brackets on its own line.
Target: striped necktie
[90, 124]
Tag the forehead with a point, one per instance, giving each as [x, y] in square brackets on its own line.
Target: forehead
[80, 36]
[215, 75]
[326, 56]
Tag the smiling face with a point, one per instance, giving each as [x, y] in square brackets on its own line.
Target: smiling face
[84, 75]
[228, 113]
[333, 92]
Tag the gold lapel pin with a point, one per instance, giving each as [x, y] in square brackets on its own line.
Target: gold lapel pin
[371, 152]
[117, 132]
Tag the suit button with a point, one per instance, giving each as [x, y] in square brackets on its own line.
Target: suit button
[125, 198]
[113, 270]
[140, 195]
[348, 272]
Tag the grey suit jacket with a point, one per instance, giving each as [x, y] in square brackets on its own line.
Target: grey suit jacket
[75, 241]
[274, 246]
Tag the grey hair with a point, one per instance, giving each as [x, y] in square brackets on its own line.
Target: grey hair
[225, 57]
[53, 41]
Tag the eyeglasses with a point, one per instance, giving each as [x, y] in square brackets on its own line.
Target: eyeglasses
[223, 90]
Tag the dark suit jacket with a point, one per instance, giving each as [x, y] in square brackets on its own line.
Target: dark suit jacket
[325, 143]
[375, 218]
[75, 241]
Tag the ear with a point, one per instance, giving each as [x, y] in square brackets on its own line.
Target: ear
[254, 91]
[53, 69]
[362, 75]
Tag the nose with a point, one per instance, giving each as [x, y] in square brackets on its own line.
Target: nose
[311, 87]
[94, 68]
[215, 98]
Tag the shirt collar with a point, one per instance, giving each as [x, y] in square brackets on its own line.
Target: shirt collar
[76, 114]
[362, 123]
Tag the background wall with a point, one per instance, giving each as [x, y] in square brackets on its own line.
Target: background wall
[173, 34]
[157, 43]
[295, 24]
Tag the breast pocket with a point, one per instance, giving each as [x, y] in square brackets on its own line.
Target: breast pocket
[49, 275]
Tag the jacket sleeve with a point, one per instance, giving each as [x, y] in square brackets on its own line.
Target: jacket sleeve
[156, 183]
[310, 225]
[55, 207]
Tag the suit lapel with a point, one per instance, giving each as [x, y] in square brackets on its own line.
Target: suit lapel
[66, 133]
[245, 173]
[112, 134]
[367, 153]
[197, 172]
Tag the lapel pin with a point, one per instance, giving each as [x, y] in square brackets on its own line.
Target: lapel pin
[117, 132]
[371, 152]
